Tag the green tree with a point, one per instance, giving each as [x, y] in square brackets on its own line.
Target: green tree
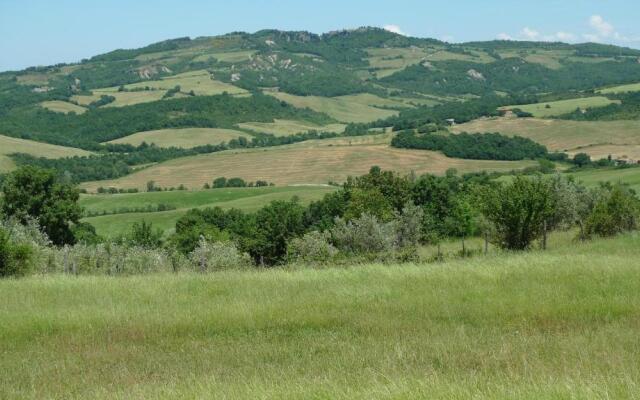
[142, 234]
[582, 159]
[34, 193]
[615, 212]
[219, 182]
[518, 211]
[276, 224]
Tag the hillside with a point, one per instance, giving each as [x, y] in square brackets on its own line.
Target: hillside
[541, 325]
[247, 91]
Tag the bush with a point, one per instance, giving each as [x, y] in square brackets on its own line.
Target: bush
[615, 212]
[364, 235]
[314, 247]
[15, 258]
[215, 256]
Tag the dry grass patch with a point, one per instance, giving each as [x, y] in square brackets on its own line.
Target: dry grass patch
[343, 110]
[62, 107]
[299, 165]
[284, 127]
[10, 145]
[554, 108]
[561, 135]
[185, 138]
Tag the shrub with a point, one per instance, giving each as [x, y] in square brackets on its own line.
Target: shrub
[15, 258]
[313, 247]
[364, 235]
[615, 212]
[215, 256]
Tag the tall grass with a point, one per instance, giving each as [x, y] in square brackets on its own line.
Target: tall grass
[561, 324]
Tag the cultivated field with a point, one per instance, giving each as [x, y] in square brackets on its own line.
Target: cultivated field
[313, 162]
[634, 87]
[284, 127]
[540, 110]
[246, 199]
[629, 176]
[10, 145]
[340, 109]
[62, 107]
[185, 138]
[561, 324]
[562, 135]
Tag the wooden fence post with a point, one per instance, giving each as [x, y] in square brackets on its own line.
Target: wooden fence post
[544, 235]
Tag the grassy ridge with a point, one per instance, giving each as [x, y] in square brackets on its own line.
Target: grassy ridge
[563, 106]
[247, 199]
[184, 138]
[10, 145]
[559, 324]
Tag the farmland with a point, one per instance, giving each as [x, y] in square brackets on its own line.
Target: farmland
[9, 145]
[563, 135]
[312, 162]
[496, 327]
[246, 199]
[343, 110]
[283, 127]
[185, 138]
[633, 87]
[62, 107]
[555, 108]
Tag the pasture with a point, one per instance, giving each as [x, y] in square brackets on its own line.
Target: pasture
[633, 87]
[562, 135]
[560, 324]
[555, 108]
[246, 199]
[10, 145]
[342, 110]
[201, 82]
[311, 162]
[62, 107]
[284, 127]
[593, 177]
[185, 137]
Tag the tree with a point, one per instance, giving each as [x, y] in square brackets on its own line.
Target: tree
[219, 182]
[518, 211]
[34, 193]
[276, 223]
[15, 258]
[142, 234]
[582, 159]
[151, 187]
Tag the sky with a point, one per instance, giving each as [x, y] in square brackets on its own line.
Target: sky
[46, 32]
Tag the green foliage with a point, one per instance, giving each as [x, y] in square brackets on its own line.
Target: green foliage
[518, 211]
[487, 146]
[15, 258]
[581, 159]
[31, 192]
[143, 235]
[276, 224]
[617, 210]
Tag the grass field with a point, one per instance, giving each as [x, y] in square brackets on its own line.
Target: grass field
[562, 135]
[62, 107]
[284, 127]
[562, 324]
[634, 87]
[312, 162]
[340, 109]
[630, 176]
[246, 199]
[540, 110]
[200, 82]
[185, 138]
[10, 145]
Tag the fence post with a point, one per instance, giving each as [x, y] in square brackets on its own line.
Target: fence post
[544, 235]
[65, 260]
[486, 243]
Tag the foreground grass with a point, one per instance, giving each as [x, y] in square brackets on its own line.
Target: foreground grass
[561, 324]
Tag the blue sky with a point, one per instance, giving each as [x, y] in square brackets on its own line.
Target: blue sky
[44, 32]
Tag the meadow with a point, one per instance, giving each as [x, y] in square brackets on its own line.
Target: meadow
[246, 199]
[343, 110]
[560, 107]
[284, 127]
[62, 107]
[311, 162]
[593, 177]
[560, 324]
[564, 135]
[633, 87]
[10, 145]
[185, 137]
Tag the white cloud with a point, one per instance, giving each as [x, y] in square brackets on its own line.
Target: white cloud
[504, 36]
[565, 36]
[530, 34]
[394, 29]
[602, 27]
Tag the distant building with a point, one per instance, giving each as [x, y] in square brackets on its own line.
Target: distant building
[451, 121]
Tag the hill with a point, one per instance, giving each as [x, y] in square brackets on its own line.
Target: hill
[10, 145]
[555, 324]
